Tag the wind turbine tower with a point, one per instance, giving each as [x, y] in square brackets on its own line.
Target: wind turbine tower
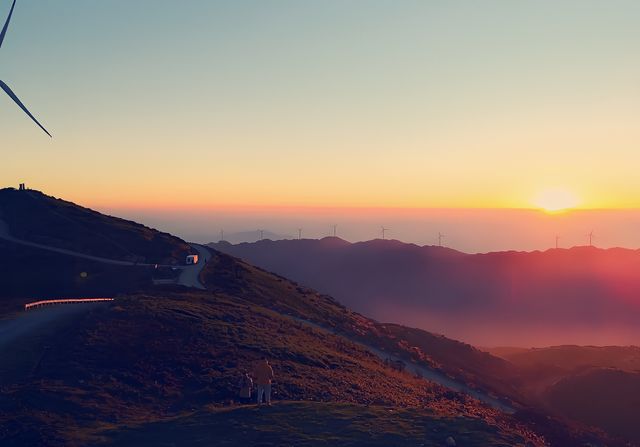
[384, 232]
[557, 239]
[440, 238]
[591, 236]
[221, 235]
[299, 233]
[335, 229]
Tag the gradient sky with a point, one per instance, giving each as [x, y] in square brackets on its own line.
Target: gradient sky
[166, 104]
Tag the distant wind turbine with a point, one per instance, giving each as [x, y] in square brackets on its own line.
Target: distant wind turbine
[384, 231]
[335, 229]
[591, 236]
[440, 237]
[260, 235]
[4, 86]
[299, 233]
[557, 239]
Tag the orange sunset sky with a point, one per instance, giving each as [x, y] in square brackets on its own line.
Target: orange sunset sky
[312, 105]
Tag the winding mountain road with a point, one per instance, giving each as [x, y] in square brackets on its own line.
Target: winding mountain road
[189, 275]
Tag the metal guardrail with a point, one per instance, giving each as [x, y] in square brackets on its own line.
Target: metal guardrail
[42, 303]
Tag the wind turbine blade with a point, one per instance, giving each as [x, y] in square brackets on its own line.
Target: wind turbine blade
[13, 96]
[6, 24]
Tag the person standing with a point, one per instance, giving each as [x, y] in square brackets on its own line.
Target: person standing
[246, 387]
[263, 374]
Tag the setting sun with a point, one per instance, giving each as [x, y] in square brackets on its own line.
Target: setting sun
[556, 199]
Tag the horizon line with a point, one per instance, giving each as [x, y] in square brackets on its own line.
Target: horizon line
[319, 207]
[443, 247]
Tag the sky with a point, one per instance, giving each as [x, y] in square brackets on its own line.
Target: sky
[473, 230]
[196, 107]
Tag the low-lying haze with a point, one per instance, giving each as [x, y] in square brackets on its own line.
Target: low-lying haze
[467, 230]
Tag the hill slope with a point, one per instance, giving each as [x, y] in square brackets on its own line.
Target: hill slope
[455, 359]
[602, 397]
[596, 385]
[582, 295]
[167, 361]
[35, 217]
[150, 358]
[50, 248]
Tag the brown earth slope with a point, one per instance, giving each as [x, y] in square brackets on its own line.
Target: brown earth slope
[35, 217]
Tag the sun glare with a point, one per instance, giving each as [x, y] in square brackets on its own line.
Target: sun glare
[556, 200]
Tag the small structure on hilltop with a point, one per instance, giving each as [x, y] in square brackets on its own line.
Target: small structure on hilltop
[192, 259]
[22, 187]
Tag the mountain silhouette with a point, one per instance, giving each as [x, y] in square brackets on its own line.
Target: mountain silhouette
[582, 295]
[51, 248]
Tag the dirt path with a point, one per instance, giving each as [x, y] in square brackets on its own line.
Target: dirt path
[425, 372]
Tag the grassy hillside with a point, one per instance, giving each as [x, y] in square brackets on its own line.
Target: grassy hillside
[152, 358]
[35, 217]
[602, 397]
[304, 424]
[226, 274]
[167, 358]
[597, 385]
[456, 359]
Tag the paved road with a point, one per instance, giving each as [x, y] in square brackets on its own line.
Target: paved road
[190, 275]
[26, 323]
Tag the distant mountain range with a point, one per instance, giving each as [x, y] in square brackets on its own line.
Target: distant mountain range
[581, 295]
[252, 236]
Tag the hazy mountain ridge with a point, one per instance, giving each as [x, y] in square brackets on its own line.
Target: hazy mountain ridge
[604, 397]
[571, 357]
[597, 385]
[580, 295]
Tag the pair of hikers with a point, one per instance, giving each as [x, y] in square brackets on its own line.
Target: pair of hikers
[263, 374]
